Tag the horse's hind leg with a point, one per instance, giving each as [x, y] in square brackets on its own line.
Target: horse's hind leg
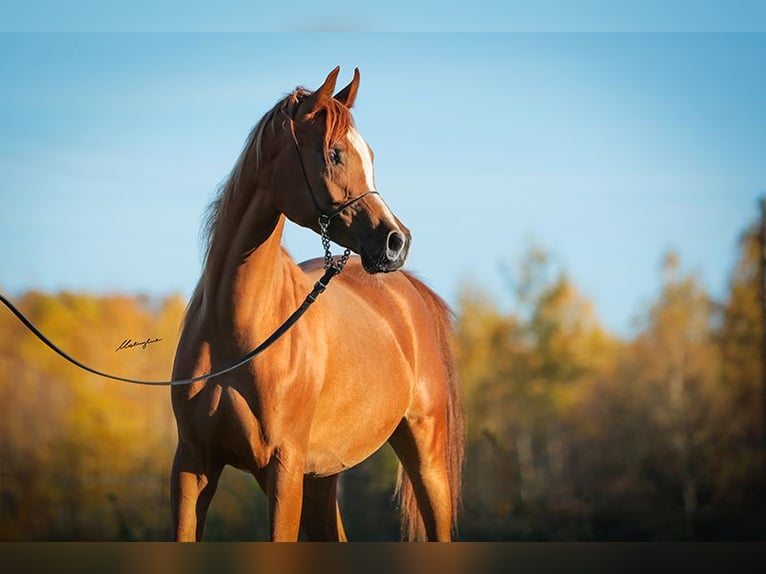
[192, 486]
[320, 517]
[420, 445]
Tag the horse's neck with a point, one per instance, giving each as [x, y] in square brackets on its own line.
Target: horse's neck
[253, 287]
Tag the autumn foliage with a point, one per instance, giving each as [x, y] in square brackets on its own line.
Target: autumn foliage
[574, 433]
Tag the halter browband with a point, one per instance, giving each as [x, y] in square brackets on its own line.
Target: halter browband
[324, 218]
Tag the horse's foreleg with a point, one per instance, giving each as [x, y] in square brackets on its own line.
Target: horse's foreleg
[285, 495]
[206, 496]
[191, 489]
[184, 493]
[321, 519]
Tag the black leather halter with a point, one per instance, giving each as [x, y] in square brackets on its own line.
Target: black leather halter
[324, 218]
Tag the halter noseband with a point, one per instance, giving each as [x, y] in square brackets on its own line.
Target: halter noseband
[325, 218]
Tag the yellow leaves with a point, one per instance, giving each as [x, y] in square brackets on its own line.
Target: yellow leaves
[573, 433]
[80, 440]
[585, 423]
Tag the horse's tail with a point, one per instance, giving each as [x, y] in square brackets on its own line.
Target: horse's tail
[412, 526]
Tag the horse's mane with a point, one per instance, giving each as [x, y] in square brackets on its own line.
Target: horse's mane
[217, 226]
[338, 121]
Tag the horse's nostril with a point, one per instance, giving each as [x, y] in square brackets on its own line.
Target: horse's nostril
[394, 245]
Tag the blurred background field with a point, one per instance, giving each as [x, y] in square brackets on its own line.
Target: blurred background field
[573, 433]
[587, 203]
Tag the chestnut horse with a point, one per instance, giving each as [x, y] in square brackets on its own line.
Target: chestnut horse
[369, 363]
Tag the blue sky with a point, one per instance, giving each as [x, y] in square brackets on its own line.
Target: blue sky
[393, 15]
[607, 149]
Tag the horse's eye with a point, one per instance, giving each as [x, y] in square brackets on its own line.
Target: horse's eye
[335, 156]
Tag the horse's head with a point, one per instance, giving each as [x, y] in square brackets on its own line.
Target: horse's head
[326, 178]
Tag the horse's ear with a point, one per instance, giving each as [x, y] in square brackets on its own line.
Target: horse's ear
[348, 94]
[323, 94]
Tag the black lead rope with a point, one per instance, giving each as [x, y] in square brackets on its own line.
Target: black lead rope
[331, 270]
[318, 289]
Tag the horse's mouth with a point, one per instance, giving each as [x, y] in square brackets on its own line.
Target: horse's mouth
[381, 264]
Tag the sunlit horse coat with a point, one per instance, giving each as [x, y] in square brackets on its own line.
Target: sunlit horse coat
[370, 362]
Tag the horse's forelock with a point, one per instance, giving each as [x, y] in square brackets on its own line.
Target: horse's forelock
[338, 122]
[337, 117]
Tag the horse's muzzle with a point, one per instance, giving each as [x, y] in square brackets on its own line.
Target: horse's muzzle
[391, 256]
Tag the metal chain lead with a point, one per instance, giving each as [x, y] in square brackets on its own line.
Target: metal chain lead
[324, 223]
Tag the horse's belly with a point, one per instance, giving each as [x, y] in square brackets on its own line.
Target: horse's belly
[331, 458]
[343, 437]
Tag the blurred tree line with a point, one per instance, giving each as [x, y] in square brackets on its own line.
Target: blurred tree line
[574, 434]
